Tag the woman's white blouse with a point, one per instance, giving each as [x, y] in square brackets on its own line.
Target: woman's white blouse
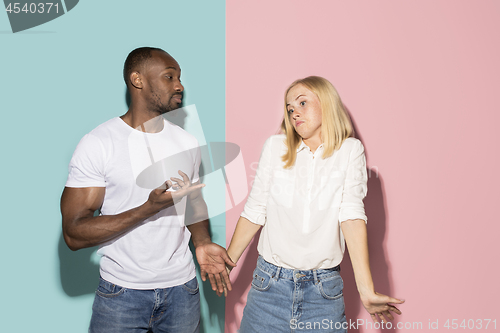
[301, 208]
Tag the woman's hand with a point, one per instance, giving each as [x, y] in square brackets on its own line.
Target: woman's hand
[378, 305]
[228, 271]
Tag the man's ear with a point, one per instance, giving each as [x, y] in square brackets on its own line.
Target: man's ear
[136, 80]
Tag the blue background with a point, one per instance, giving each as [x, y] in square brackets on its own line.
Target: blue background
[59, 81]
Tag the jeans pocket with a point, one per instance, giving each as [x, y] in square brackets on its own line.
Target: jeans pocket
[109, 290]
[192, 286]
[331, 288]
[261, 280]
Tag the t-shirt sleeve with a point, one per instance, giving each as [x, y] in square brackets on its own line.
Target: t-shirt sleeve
[86, 168]
[256, 206]
[355, 189]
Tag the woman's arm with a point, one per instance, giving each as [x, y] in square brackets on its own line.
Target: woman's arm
[357, 242]
[243, 235]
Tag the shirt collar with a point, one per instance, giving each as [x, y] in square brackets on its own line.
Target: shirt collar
[304, 146]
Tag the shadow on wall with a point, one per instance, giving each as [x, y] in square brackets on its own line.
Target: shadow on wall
[79, 274]
[79, 270]
[375, 207]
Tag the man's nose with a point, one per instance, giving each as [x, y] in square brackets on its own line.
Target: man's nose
[179, 86]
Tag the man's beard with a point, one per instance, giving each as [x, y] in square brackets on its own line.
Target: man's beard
[162, 108]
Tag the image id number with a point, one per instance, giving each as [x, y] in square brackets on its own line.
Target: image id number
[32, 8]
[471, 324]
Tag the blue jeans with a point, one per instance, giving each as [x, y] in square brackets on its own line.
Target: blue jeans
[121, 310]
[288, 300]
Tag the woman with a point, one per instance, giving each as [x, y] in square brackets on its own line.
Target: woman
[308, 196]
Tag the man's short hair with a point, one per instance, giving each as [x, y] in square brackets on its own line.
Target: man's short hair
[136, 59]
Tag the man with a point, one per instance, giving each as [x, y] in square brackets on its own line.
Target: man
[148, 280]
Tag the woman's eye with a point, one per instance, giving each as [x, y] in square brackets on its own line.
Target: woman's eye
[290, 111]
[302, 103]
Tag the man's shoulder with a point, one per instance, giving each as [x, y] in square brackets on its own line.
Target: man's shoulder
[108, 126]
[110, 131]
[103, 135]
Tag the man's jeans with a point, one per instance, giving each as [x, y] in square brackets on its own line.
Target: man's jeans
[121, 310]
[288, 300]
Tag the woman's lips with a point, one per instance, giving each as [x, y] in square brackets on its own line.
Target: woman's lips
[298, 123]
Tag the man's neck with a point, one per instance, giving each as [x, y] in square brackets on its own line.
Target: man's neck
[144, 121]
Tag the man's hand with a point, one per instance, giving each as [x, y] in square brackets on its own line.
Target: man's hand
[183, 186]
[160, 198]
[378, 305]
[213, 259]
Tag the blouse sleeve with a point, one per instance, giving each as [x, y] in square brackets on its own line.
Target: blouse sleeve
[255, 207]
[355, 189]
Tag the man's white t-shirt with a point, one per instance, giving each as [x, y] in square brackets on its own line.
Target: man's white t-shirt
[129, 164]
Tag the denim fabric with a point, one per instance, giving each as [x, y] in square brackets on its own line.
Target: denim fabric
[288, 300]
[170, 310]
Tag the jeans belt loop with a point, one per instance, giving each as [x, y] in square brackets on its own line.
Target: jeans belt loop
[278, 270]
[316, 280]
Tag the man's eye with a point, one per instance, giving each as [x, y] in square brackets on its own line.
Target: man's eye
[168, 77]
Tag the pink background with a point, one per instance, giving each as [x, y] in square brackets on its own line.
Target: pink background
[421, 80]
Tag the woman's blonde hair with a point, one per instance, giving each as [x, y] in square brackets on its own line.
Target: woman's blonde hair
[335, 123]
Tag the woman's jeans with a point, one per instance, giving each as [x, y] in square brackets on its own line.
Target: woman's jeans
[288, 300]
[121, 310]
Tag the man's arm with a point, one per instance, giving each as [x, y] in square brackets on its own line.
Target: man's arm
[82, 229]
[211, 257]
[357, 242]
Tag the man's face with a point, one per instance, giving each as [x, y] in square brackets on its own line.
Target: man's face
[163, 78]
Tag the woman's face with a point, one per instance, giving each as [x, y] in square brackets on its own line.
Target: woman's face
[304, 112]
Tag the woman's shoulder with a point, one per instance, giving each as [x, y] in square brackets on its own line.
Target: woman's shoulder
[277, 141]
[275, 144]
[351, 146]
[351, 143]
[276, 138]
